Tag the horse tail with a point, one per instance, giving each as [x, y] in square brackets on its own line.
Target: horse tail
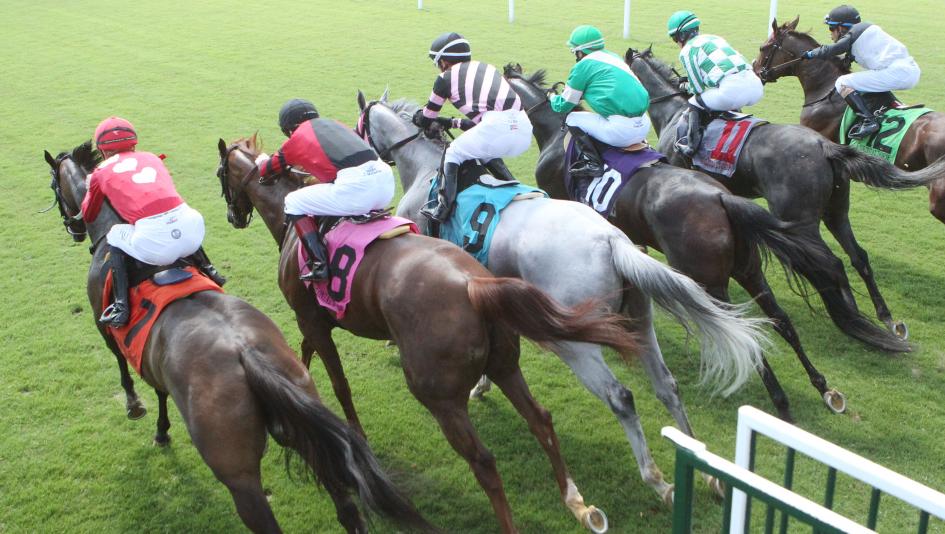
[850, 163]
[531, 313]
[731, 342]
[338, 457]
[800, 253]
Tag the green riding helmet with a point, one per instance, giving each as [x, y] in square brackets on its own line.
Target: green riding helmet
[681, 23]
[586, 39]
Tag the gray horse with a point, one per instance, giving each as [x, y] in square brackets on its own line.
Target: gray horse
[573, 254]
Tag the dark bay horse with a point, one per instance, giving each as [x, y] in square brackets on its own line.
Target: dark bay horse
[234, 378]
[451, 320]
[823, 108]
[704, 231]
[805, 179]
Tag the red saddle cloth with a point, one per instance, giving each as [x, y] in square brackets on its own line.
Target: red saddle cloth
[147, 301]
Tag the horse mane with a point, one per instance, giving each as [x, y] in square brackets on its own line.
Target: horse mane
[537, 78]
[403, 105]
[85, 156]
[663, 69]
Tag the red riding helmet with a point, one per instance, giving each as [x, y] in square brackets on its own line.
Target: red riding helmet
[115, 134]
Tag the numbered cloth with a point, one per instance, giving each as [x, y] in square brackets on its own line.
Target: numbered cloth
[347, 243]
[619, 167]
[722, 143]
[893, 127]
[147, 300]
[477, 212]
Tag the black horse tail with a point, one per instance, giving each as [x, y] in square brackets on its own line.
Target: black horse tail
[531, 313]
[801, 251]
[850, 163]
[339, 457]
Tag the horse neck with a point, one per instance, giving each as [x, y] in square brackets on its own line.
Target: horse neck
[416, 159]
[661, 113]
[546, 123]
[107, 217]
[268, 201]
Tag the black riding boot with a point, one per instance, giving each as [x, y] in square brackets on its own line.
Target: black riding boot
[589, 164]
[868, 124]
[307, 230]
[118, 312]
[203, 263]
[689, 144]
[499, 170]
[445, 196]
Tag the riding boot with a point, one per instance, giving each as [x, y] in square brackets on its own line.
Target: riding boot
[589, 164]
[868, 124]
[203, 263]
[689, 144]
[445, 196]
[317, 263]
[118, 312]
[499, 170]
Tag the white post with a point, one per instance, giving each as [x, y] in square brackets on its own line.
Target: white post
[626, 18]
[511, 11]
[419, 4]
[772, 13]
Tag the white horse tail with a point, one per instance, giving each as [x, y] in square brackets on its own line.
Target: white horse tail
[732, 342]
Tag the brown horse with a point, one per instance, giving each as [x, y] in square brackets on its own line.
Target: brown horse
[232, 376]
[823, 108]
[450, 318]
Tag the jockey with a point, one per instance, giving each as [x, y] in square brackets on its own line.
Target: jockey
[352, 180]
[888, 63]
[618, 99]
[161, 227]
[496, 127]
[720, 79]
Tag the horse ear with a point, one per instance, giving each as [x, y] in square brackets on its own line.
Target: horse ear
[361, 102]
[222, 147]
[628, 55]
[49, 159]
[385, 94]
[793, 24]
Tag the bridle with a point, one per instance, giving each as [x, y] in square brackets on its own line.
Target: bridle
[631, 57]
[67, 220]
[364, 131]
[766, 68]
[223, 171]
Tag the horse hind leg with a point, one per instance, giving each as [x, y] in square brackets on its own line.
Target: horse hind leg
[513, 385]
[134, 408]
[162, 438]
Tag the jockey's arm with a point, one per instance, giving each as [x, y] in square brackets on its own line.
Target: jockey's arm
[94, 197]
[843, 45]
[573, 90]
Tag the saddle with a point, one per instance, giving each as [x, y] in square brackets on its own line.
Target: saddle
[329, 222]
[162, 275]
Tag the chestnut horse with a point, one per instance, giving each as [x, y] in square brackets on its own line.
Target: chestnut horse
[233, 377]
[450, 318]
[823, 108]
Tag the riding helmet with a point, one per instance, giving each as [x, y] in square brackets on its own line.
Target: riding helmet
[585, 39]
[844, 15]
[295, 112]
[115, 134]
[682, 25]
[452, 46]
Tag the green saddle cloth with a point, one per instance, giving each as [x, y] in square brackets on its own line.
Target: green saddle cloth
[885, 143]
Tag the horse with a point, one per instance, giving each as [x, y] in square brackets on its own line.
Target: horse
[451, 320]
[567, 250]
[804, 177]
[924, 141]
[234, 379]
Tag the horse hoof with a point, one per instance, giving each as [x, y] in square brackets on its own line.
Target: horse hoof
[389, 343]
[717, 486]
[595, 520]
[900, 329]
[481, 388]
[162, 441]
[136, 410]
[668, 496]
[835, 401]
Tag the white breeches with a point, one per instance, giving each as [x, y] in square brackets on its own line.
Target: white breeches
[899, 75]
[355, 191]
[616, 130]
[500, 134]
[160, 239]
[734, 92]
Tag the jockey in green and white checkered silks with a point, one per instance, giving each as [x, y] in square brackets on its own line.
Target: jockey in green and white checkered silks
[605, 83]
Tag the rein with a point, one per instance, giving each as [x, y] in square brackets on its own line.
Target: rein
[664, 98]
[767, 69]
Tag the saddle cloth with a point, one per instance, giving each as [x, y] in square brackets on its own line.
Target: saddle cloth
[347, 242]
[478, 209]
[894, 124]
[147, 300]
[619, 167]
[722, 143]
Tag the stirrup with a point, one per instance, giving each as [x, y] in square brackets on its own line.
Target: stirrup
[585, 168]
[682, 145]
[863, 129]
[115, 314]
[434, 210]
[318, 272]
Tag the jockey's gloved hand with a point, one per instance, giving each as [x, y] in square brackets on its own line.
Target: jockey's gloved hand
[419, 120]
[808, 55]
[446, 122]
[261, 158]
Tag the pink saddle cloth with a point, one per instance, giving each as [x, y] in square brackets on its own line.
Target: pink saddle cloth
[346, 245]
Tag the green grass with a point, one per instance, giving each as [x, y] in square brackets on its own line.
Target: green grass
[188, 73]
